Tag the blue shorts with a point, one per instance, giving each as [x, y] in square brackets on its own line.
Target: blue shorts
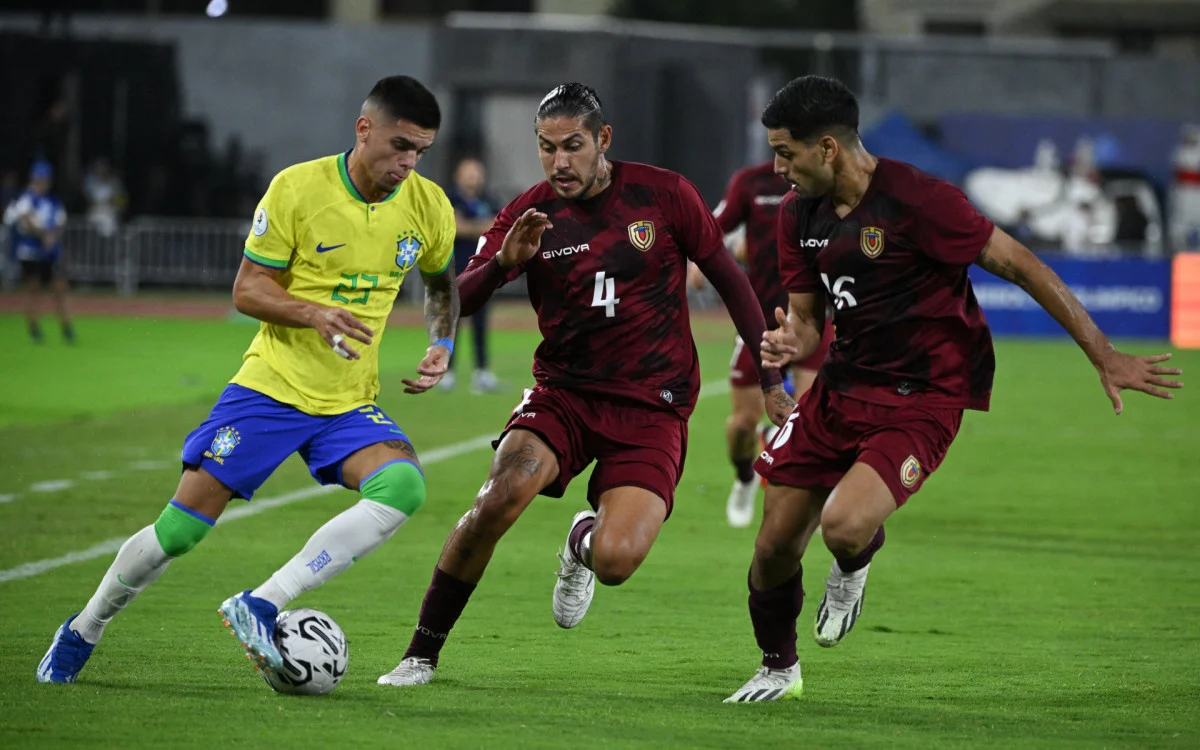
[248, 435]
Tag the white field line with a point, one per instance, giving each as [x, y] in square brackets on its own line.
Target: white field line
[433, 456]
[58, 485]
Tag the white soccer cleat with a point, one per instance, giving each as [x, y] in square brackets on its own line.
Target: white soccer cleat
[841, 605]
[576, 583]
[770, 685]
[739, 510]
[485, 381]
[412, 671]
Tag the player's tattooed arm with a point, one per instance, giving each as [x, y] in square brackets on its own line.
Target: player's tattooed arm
[522, 460]
[441, 304]
[1012, 261]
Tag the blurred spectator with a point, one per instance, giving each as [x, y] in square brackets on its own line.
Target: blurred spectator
[38, 217]
[1023, 231]
[474, 213]
[106, 197]
[1132, 224]
[10, 188]
[1185, 191]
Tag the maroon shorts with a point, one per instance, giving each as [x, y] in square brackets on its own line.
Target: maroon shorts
[632, 445]
[827, 433]
[741, 367]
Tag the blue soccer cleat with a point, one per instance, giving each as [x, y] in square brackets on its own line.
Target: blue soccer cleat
[252, 621]
[67, 655]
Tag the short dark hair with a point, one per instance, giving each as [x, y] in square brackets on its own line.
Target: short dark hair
[812, 106]
[406, 98]
[574, 100]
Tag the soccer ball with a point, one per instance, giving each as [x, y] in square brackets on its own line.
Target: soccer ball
[314, 653]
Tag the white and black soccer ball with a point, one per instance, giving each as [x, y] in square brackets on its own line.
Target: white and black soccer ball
[314, 653]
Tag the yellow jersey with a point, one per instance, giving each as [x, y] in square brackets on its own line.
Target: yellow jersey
[336, 249]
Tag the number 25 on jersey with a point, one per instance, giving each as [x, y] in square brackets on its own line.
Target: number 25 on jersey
[604, 294]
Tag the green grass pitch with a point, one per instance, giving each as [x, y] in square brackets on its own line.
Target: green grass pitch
[1043, 590]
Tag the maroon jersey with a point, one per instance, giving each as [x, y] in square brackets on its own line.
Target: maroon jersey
[608, 284]
[753, 199]
[895, 270]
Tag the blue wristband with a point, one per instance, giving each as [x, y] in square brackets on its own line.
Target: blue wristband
[448, 343]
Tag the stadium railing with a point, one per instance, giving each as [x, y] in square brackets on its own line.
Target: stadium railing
[191, 253]
[178, 253]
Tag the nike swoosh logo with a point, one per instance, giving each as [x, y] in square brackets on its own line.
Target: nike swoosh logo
[120, 581]
[324, 249]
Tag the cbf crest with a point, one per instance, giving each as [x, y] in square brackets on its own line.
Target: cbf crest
[872, 241]
[408, 248]
[641, 234]
[227, 438]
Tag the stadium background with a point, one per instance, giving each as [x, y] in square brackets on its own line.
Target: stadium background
[1040, 591]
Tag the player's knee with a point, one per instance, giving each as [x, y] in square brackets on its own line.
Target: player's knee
[844, 533]
[497, 507]
[770, 548]
[613, 571]
[398, 484]
[614, 563]
[744, 422]
[180, 528]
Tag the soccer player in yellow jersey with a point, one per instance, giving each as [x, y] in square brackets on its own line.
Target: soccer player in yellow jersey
[330, 244]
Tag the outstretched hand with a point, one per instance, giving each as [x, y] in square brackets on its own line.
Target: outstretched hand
[431, 370]
[781, 345]
[523, 239]
[1120, 371]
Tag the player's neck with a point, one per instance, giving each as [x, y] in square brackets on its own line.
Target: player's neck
[361, 179]
[603, 179]
[853, 179]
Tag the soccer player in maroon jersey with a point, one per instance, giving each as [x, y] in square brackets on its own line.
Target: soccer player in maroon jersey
[752, 203]
[889, 246]
[604, 246]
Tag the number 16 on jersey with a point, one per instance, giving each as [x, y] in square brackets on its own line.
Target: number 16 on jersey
[604, 294]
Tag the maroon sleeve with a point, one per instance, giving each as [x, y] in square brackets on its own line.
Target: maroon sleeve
[731, 211]
[696, 231]
[483, 274]
[948, 228]
[797, 275]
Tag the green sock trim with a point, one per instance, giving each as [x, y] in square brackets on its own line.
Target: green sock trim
[179, 529]
[399, 485]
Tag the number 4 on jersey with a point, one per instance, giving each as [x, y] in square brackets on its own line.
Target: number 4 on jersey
[605, 294]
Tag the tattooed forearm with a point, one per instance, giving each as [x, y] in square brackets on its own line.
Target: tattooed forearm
[1002, 265]
[1012, 261]
[441, 304]
[521, 459]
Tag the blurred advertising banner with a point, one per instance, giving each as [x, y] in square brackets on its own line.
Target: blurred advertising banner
[1125, 296]
[1185, 301]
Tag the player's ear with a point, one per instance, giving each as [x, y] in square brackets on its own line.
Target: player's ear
[362, 128]
[828, 147]
[604, 138]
